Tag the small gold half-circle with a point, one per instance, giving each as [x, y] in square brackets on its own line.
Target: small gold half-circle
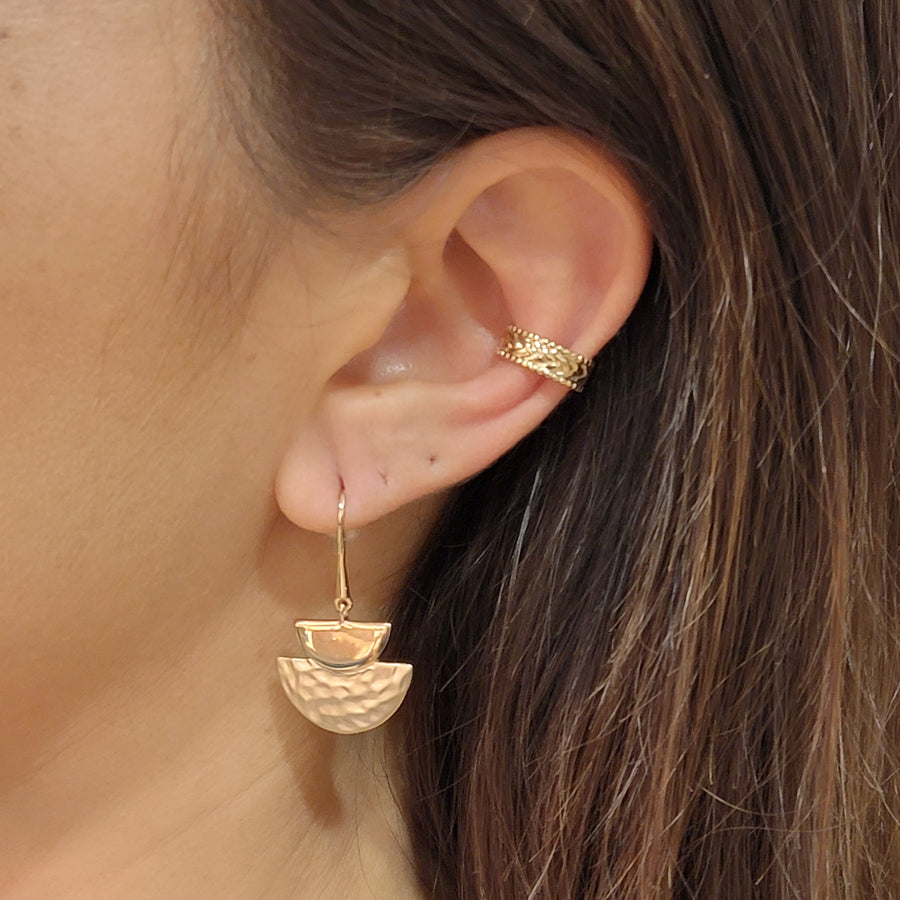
[348, 702]
[342, 645]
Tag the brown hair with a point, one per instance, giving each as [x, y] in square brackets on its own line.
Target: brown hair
[657, 643]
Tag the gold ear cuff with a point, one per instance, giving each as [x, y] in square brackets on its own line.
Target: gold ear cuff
[546, 357]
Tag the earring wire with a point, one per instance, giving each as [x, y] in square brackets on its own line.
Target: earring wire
[343, 602]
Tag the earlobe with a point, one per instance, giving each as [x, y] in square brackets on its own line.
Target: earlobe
[534, 228]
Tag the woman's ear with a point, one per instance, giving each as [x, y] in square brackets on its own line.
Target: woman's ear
[532, 227]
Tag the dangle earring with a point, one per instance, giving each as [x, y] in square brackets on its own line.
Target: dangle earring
[341, 686]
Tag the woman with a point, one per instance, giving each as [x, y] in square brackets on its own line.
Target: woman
[261, 255]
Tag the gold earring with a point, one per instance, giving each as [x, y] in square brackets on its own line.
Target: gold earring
[546, 357]
[341, 686]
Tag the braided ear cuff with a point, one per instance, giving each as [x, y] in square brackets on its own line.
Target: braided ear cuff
[546, 357]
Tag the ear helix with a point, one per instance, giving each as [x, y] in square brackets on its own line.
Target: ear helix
[340, 685]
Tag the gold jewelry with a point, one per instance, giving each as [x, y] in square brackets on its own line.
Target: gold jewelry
[341, 686]
[546, 357]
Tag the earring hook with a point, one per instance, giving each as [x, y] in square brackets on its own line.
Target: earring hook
[343, 602]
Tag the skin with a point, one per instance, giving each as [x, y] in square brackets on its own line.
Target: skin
[142, 753]
[186, 376]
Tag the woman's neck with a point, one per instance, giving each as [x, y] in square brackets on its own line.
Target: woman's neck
[191, 775]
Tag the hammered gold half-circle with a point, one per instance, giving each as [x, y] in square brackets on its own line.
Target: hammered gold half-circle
[348, 702]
